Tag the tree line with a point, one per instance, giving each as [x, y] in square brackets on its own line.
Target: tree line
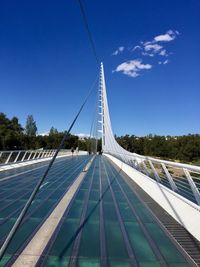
[184, 148]
[13, 136]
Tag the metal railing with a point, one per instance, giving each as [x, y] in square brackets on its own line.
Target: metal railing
[15, 156]
[183, 179]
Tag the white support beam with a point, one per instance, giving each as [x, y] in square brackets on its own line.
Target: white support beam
[9, 157]
[169, 177]
[193, 186]
[154, 171]
[17, 156]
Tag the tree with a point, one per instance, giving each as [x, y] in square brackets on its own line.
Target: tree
[53, 131]
[31, 128]
[10, 133]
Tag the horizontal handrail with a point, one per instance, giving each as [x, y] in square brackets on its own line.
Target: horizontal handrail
[15, 156]
[167, 162]
[158, 168]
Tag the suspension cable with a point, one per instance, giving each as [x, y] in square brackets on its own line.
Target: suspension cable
[37, 187]
[85, 20]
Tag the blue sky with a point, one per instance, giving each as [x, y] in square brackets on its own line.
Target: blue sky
[47, 66]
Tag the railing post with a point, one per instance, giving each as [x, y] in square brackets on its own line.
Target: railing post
[34, 155]
[137, 166]
[9, 156]
[24, 156]
[17, 156]
[192, 185]
[30, 155]
[154, 171]
[145, 168]
[39, 154]
[169, 177]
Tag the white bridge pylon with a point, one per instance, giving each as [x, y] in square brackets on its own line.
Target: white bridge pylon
[159, 170]
[109, 144]
[174, 186]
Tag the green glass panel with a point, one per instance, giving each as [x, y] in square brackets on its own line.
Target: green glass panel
[119, 263]
[94, 195]
[115, 243]
[65, 239]
[81, 194]
[109, 211]
[107, 197]
[167, 248]
[43, 210]
[57, 262]
[149, 264]
[76, 209]
[144, 214]
[93, 211]
[4, 260]
[139, 243]
[22, 234]
[126, 212]
[120, 197]
[90, 244]
[88, 263]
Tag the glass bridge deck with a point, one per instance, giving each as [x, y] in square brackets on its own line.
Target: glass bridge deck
[105, 225]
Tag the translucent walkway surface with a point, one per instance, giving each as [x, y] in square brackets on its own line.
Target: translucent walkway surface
[105, 225]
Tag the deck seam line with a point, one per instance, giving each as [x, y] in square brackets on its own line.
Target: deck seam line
[103, 253]
[122, 227]
[76, 245]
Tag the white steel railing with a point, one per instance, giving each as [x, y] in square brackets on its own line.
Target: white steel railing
[8, 157]
[184, 179]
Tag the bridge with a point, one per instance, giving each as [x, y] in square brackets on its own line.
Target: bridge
[115, 209]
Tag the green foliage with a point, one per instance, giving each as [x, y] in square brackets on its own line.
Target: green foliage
[11, 133]
[53, 131]
[13, 136]
[183, 148]
[31, 128]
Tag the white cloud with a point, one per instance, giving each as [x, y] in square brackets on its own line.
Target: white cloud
[167, 37]
[44, 134]
[152, 47]
[132, 67]
[148, 54]
[163, 53]
[83, 135]
[118, 51]
[166, 61]
[155, 48]
[137, 47]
